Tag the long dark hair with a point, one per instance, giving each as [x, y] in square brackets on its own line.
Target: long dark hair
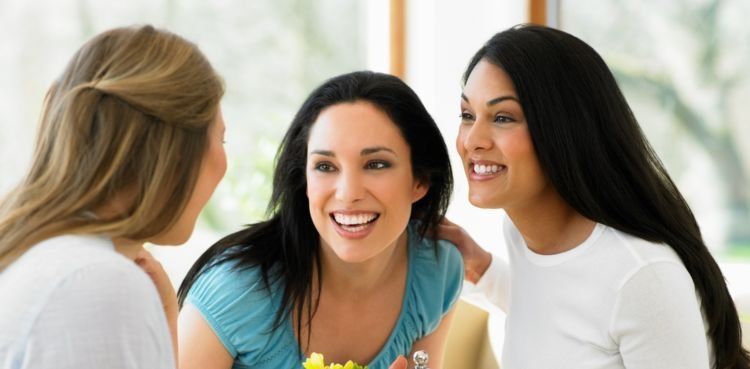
[286, 247]
[593, 151]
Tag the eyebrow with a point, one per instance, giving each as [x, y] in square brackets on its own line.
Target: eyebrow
[494, 101]
[366, 151]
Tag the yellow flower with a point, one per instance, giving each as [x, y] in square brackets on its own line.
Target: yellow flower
[316, 361]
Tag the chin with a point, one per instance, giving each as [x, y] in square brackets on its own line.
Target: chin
[483, 202]
[172, 238]
[350, 254]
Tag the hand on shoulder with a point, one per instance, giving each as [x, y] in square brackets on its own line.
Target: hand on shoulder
[476, 259]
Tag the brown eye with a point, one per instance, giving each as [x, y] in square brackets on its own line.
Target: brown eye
[466, 117]
[378, 165]
[324, 167]
[503, 119]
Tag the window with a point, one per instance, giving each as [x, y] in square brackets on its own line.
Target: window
[683, 68]
[271, 54]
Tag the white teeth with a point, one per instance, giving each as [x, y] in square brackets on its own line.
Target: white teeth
[354, 229]
[486, 169]
[353, 220]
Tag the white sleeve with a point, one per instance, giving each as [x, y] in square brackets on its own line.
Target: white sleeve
[106, 315]
[494, 284]
[657, 321]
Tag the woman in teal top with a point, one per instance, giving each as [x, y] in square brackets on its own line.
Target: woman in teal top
[342, 267]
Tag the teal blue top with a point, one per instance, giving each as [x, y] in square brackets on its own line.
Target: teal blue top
[242, 312]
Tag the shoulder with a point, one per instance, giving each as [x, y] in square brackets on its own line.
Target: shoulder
[238, 305]
[69, 270]
[658, 282]
[432, 252]
[65, 254]
[635, 259]
[112, 285]
[657, 316]
[111, 297]
[436, 271]
[434, 280]
[656, 289]
[94, 270]
[438, 258]
[121, 276]
[643, 251]
[92, 300]
[655, 312]
[227, 281]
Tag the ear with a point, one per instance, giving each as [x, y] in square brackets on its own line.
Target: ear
[419, 190]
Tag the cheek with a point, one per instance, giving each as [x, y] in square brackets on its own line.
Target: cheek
[460, 142]
[516, 145]
[396, 192]
[316, 189]
[215, 165]
[221, 166]
[212, 171]
[519, 149]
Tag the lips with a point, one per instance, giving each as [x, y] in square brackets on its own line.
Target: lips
[485, 170]
[354, 225]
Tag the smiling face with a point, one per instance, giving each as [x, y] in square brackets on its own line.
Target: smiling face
[495, 145]
[360, 184]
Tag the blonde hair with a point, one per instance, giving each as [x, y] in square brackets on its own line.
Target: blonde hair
[130, 114]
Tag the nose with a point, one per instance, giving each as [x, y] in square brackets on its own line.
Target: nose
[476, 136]
[350, 187]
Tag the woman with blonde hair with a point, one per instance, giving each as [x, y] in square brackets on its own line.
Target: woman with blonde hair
[129, 150]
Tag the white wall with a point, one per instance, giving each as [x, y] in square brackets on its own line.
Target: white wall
[442, 36]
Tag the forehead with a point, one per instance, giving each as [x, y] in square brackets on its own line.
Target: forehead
[487, 79]
[354, 126]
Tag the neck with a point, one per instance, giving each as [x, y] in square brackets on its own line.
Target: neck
[551, 226]
[128, 248]
[360, 279]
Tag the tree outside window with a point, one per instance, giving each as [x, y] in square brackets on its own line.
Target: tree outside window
[683, 66]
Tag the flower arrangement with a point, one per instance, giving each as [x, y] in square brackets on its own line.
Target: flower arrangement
[316, 361]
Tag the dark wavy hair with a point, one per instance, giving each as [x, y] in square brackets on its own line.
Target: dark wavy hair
[593, 151]
[287, 246]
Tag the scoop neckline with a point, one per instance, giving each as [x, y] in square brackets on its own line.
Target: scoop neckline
[401, 316]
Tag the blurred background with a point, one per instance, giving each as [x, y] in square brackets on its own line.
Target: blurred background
[683, 66]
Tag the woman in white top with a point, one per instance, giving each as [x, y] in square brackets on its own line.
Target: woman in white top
[129, 150]
[607, 266]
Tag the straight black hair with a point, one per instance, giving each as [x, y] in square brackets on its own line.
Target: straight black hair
[286, 247]
[593, 151]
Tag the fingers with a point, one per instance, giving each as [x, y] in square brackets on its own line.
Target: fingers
[399, 363]
[449, 232]
[153, 268]
[447, 222]
[438, 232]
[144, 258]
[147, 262]
[143, 254]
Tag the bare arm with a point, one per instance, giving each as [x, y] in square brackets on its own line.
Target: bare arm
[200, 348]
[434, 343]
[156, 272]
[476, 259]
